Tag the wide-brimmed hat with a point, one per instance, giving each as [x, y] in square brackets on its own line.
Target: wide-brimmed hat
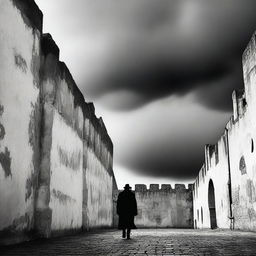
[127, 186]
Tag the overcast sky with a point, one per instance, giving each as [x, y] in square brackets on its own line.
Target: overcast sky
[160, 73]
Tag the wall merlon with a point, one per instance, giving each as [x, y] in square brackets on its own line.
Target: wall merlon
[154, 187]
[140, 188]
[211, 149]
[190, 186]
[180, 187]
[166, 187]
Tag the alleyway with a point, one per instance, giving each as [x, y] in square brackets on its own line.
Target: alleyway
[143, 242]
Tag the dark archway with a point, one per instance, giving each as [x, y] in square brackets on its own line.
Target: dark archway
[211, 203]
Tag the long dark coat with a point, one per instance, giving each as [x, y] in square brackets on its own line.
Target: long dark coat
[126, 209]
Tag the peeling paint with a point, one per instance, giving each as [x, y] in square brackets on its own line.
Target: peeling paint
[2, 131]
[1, 110]
[242, 165]
[34, 141]
[71, 160]
[34, 131]
[250, 191]
[5, 161]
[35, 64]
[21, 223]
[20, 62]
[63, 198]
[29, 185]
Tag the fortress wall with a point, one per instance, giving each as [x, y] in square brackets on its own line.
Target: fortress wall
[19, 115]
[240, 135]
[56, 156]
[99, 181]
[215, 168]
[165, 207]
[62, 151]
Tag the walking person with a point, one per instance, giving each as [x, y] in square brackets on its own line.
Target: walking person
[126, 209]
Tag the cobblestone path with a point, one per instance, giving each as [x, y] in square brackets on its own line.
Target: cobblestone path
[143, 242]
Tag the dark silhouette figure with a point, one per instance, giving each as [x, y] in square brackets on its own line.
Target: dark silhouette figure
[126, 209]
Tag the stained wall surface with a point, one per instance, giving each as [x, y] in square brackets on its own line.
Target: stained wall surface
[55, 155]
[234, 176]
[165, 207]
[19, 116]
[215, 170]
[99, 181]
[242, 133]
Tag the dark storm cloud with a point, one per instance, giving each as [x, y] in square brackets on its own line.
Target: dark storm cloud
[159, 48]
[167, 138]
[218, 93]
[174, 62]
[170, 163]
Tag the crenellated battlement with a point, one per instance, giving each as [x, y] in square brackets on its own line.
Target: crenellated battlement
[141, 188]
[211, 155]
[239, 104]
[164, 206]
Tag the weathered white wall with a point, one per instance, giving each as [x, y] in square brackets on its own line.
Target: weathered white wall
[165, 207]
[53, 177]
[243, 184]
[242, 134]
[19, 91]
[240, 143]
[66, 176]
[217, 171]
[99, 185]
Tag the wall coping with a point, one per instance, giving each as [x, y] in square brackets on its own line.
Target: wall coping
[164, 188]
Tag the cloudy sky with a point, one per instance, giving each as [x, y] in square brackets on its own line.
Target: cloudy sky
[160, 72]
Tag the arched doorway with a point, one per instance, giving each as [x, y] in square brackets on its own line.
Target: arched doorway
[211, 203]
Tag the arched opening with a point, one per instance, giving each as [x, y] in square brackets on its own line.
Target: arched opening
[211, 203]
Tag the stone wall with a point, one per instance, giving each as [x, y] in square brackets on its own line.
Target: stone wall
[99, 181]
[165, 207]
[215, 170]
[55, 155]
[19, 116]
[234, 175]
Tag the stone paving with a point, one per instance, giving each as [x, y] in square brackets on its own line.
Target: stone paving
[143, 242]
